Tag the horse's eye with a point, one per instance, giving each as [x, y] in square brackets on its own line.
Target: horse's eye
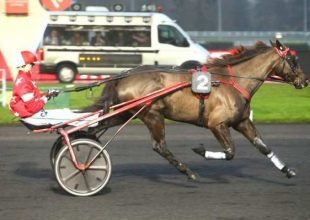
[295, 59]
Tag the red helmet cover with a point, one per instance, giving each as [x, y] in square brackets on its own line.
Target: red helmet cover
[29, 57]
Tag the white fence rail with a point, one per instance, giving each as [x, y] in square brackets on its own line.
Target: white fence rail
[3, 87]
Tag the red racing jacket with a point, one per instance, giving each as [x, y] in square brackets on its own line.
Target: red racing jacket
[26, 99]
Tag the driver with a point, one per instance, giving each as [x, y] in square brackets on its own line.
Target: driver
[28, 103]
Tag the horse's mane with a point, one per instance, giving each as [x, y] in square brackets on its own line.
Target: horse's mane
[239, 54]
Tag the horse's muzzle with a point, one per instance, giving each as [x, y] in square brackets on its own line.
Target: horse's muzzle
[300, 84]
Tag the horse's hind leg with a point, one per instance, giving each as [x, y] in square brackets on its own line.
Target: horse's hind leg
[248, 129]
[155, 123]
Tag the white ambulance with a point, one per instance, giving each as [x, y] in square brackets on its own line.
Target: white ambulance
[111, 42]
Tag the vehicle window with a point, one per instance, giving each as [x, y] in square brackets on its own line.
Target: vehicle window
[141, 38]
[91, 35]
[53, 36]
[170, 35]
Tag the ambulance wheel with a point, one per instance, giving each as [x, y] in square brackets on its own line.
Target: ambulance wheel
[87, 182]
[191, 64]
[66, 73]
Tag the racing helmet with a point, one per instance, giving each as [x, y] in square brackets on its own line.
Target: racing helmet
[29, 57]
[25, 57]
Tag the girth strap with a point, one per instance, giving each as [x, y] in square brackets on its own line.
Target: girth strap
[201, 110]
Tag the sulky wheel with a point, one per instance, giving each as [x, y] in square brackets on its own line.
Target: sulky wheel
[83, 182]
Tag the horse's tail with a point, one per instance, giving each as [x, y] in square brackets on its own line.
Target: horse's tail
[108, 98]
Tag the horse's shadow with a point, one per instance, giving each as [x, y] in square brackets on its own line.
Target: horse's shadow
[220, 172]
[207, 172]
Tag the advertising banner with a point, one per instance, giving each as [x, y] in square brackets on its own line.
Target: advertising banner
[16, 7]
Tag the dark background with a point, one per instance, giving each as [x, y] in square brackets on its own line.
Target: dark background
[237, 15]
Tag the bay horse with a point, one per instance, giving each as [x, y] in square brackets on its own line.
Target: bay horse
[240, 75]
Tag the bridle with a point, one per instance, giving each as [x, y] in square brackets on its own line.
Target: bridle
[291, 60]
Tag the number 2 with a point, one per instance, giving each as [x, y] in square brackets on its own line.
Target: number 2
[203, 82]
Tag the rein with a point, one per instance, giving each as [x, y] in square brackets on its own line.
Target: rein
[122, 75]
[273, 78]
[241, 77]
[239, 88]
[95, 84]
[230, 81]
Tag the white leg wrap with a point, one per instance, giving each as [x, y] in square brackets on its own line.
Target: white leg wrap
[215, 155]
[276, 161]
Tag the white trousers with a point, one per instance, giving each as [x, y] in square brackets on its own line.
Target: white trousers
[56, 116]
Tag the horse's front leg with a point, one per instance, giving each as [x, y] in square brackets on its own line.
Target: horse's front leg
[248, 129]
[222, 134]
[154, 120]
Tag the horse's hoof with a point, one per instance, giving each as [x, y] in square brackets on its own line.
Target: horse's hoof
[192, 176]
[199, 150]
[290, 173]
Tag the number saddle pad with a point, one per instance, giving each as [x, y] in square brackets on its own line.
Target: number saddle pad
[201, 84]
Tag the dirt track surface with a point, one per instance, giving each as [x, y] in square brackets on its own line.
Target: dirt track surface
[145, 186]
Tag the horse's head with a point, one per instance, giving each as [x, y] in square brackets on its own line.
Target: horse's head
[289, 68]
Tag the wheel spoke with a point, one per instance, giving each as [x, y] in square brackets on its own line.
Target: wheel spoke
[98, 155]
[89, 154]
[86, 182]
[94, 167]
[68, 158]
[75, 173]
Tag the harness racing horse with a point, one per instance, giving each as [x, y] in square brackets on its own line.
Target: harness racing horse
[240, 76]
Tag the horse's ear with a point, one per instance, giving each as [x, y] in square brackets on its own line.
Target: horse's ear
[279, 45]
[271, 43]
